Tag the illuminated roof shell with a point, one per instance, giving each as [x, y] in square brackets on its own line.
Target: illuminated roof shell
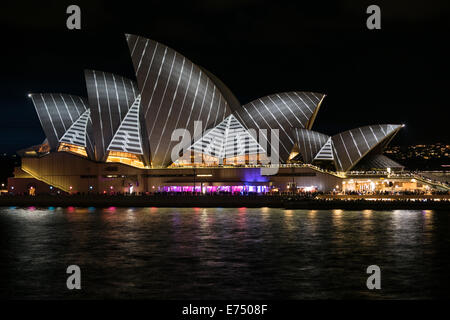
[57, 113]
[282, 111]
[174, 94]
[110, 97]
[228, 139]
[352, 145]
[309, 143]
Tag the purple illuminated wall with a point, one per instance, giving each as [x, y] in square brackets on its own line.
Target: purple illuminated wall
[214, 189]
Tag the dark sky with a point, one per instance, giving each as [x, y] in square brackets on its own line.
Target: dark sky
[399, 74]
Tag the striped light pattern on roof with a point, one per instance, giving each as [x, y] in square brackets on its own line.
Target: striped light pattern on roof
[352, 145]
[76, 134]
[110, 97]
[175, 92]
[282, 111]
[326, 152]
[128, 136]
[228, 139]
[309, 143]
[57, 112]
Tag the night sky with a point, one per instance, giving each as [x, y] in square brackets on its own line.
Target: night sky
[399, 74]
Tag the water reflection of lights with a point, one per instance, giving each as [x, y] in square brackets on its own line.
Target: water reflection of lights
[131, 214]
[428, 222]
[428, 215]
[312, 217]
[81, 210]
[265, 213]
[337, 217]
[30, 213]
[288, 219]
[366, 226]
[111, 209]
[204, 219]
[242, 214]
[288, 213]
[397, 212]
[405, 219]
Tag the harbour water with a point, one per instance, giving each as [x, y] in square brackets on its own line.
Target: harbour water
[223, 253]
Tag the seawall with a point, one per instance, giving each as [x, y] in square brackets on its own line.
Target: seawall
[251, 201]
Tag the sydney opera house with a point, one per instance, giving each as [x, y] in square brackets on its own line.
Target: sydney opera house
[122, 138]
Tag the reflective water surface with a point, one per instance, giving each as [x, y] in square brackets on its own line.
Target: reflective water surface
[223, 253]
